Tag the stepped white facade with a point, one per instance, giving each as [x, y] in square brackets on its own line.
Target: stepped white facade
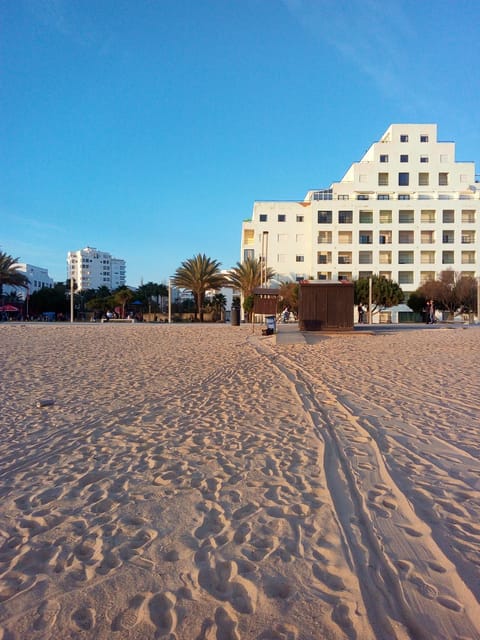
[92, 269]
[408, 210]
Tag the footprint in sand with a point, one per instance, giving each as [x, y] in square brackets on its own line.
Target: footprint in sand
[226, 624]
[278, 587]
[341, 615]
[243, 533]
[128, 618]
[220, 578]
[162, 612]
[84, 618]
[47, 615]
[280, 632]
[450, 603]
[213, 523]
[332, 581]
[427, 590]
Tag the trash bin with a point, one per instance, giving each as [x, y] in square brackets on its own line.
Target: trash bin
[271, 323]
[235, 317]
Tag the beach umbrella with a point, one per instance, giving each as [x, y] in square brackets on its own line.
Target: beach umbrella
[8, 307]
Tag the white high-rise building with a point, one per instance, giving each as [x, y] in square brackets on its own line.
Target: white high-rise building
[408, 210]
[92, 269]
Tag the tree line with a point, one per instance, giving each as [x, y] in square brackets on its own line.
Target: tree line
[451, 291]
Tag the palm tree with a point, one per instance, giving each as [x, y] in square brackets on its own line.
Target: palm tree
[198, 275]
[123, 296]
[248, 275]
[218, 303]
[9, 273]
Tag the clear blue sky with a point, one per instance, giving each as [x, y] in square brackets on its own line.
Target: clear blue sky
[147, 128]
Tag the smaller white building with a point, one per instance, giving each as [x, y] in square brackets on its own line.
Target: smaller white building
[38, 278]
[92, 269]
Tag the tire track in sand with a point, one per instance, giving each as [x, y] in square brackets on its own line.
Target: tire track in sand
[391, 549]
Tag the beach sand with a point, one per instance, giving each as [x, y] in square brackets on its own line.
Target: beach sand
[205, 483]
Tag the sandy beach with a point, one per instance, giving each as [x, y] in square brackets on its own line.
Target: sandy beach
[205, 483]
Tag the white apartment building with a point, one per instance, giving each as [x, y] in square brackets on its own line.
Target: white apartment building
[92, 269]
[408, 210]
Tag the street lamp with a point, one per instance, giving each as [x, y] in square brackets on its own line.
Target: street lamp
[71, 298]
[169, 301]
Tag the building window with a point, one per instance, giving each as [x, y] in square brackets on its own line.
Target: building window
[423, 179]
[299, 259]
[326, 194]
[404, 196]
[324, 275]
[427, 237]
[263, 217]
[324, 257]
[405, 237]
[383, 179]
[324, 217]
[365, 257]
[385, 257]
[366, 217]
[427, 215]
[384, 157]
[344, 237]
[385, 216]
[299, 218]
[281, 217]
[426, 276]
[365, 237]
[344, 257]
[442, 179]
[362, 196]
[423, 159]
[448, 257]
[345, 217]
[468, 237]
[404, 138]
[344, 276]
[343, 196]
[405, 277]
[468, 215]
[427, 257]
[404, 158]
[468, 257]
[448, 237]
[248, 254]
[403, 179]
[324, 237]
[365, 274]
[384, 237]
[423, 137]
[383, 196]
[406, 216]
[448, 215]
[405, 257]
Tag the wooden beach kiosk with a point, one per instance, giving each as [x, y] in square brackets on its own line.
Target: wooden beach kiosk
[265, 302]
[325, 306]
